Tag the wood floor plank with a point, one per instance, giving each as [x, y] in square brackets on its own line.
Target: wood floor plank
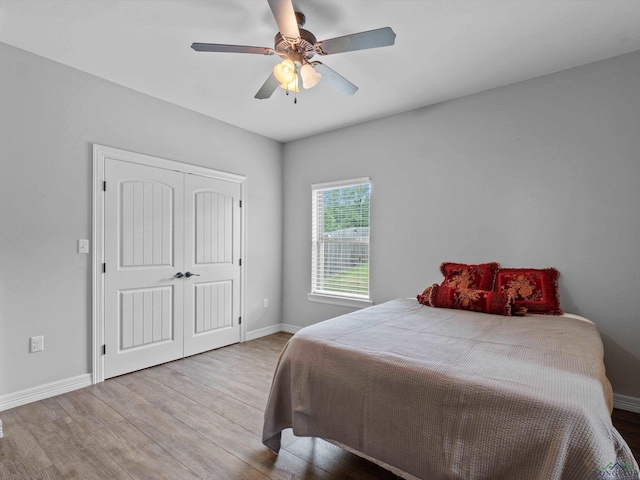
[238, 412]
[204, 457]
[140, 456]
[339, 462]
[117, 396]
[50, 473]
[156, 393]
[232, 366]
[11, 470]
[245, 359]
[207, 375]
[20, 452]
[10, 417]
[75, 453]
[248, 446]
[275, 343]
[287, 437]
[628, 424]
[87, 410]
[243, 374]
[46, 410]
[263, 350]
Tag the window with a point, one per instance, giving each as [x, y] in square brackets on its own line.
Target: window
[340, 242]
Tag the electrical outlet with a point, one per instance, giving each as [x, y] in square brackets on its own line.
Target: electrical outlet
[37, 344]
[266, 302]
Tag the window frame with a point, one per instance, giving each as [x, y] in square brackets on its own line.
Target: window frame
[337, 298]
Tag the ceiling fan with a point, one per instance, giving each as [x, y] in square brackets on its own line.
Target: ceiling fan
[297, 47]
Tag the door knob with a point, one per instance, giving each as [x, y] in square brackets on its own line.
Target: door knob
[178, 275]
[189, 274]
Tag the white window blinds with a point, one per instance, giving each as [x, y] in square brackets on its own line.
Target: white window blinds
[340, 238]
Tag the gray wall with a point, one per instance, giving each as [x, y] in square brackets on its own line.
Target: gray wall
[50, 115]
[536, 174]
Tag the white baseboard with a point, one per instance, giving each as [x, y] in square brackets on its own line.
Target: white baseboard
[41, 392]
[289, 328]
[623, 402]
[263, 332]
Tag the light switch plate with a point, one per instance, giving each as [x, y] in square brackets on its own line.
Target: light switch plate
[83, 246]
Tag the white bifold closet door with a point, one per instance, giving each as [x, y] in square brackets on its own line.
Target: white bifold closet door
[172, 279]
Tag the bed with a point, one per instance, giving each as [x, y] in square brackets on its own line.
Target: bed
[436, 393]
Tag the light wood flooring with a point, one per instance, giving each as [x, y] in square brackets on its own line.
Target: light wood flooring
[196, 418]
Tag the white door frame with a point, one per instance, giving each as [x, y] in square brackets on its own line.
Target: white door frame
[100, 154]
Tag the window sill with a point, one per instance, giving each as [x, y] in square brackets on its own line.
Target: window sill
[341, 301]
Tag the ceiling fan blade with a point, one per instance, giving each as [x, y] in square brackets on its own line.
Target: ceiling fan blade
[334, 80]
[219, 47]
[285, 18]
[268, 87]
[381, 37]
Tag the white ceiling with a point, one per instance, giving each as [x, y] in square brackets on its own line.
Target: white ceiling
[444, 49]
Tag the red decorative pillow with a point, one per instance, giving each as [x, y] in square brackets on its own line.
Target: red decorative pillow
[477, 277]
[536, 289]
[423, 298]
[476, 300]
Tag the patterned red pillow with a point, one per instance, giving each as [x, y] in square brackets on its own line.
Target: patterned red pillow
[423, 298]
[460, 275]
[476, 300]
[536, 289]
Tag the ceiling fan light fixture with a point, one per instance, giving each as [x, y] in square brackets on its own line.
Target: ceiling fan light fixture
[310, 78]
[291, 86]
[285, 72]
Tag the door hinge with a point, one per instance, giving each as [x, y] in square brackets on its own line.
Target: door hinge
[240, 262]
[104, 186]
[104, 349]
[104, 268]
[239, 320]
[240, 203]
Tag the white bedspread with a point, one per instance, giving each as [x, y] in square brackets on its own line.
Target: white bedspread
[452, 394]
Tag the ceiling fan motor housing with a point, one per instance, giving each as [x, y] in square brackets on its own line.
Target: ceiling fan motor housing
[306, 46]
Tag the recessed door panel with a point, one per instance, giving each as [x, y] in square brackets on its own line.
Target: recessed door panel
[145, 317]
[214, 306]
[213, 228]
[146, 223]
